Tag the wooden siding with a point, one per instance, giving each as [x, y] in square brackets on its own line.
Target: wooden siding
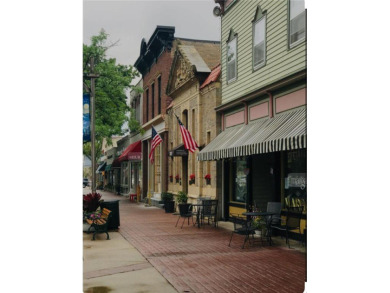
[280, 60]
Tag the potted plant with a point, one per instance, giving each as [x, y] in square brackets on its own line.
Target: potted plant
[177, 177]
[169, 204]
[259, 226]
[91, 202]
[208, 179]
[192, 179]
[182, 198]
[171, 178]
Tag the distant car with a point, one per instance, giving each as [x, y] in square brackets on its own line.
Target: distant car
[85, 182]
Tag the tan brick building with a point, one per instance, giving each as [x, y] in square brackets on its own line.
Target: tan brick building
[194, 88]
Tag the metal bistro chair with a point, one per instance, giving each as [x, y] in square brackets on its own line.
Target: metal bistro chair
[185, 212]
[292, 222]
[242, 226]
[210, 209]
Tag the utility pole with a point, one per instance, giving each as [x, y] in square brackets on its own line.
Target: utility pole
[93, 153]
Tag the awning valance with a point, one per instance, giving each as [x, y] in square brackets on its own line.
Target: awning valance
[286, 131]
[132, 152]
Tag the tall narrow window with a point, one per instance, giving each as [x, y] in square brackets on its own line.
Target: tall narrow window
[297, 17]
[147, 105]
[231, 58]
[152, 103]
[259, 43]
[207, 142]
[193, 161]
[159, 94]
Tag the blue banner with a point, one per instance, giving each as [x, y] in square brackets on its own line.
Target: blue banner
[86, 118]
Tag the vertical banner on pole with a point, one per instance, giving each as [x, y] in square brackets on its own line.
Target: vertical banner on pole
[86, 118]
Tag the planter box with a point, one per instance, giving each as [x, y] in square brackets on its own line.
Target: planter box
[169, 206]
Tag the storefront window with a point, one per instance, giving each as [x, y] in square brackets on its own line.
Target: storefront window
[125, 173]
[240, 180]
[295, 183]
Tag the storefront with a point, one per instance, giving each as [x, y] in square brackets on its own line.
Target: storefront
[263, 161]
[130, 163]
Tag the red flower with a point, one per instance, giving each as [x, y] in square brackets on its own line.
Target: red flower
[177, 176]
[192, 176]
[208, 176]
[170, 176]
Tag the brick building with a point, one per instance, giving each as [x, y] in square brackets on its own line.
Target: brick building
[195, 91]
[154, 64]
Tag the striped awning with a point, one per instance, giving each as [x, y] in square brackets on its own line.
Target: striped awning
[286, 131]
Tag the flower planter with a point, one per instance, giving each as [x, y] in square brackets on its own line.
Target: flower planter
[169, 206]
[208, 181]
[170, 179]
[192, 181]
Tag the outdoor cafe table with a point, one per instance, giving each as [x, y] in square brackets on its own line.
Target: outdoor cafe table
[268, 219]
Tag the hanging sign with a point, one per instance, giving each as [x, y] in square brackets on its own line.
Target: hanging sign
[86, 119]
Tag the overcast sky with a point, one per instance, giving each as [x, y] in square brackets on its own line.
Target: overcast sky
[129, 21]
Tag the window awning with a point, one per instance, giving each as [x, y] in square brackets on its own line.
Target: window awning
[286, 131]
[132, 152]
[101, 167]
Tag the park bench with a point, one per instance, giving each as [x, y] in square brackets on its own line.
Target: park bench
[100, 225]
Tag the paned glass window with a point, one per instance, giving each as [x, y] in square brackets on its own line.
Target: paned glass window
[259, 43]
[231, 60]
[297, 21]
[240, 180]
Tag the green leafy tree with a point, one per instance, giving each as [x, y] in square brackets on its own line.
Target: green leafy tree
[110, 90]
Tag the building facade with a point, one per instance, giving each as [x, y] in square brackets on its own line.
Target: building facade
[195, 91]
[262, 145]
[154, 64]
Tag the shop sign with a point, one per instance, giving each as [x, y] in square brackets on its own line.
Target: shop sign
[296, 180]
[134, 156]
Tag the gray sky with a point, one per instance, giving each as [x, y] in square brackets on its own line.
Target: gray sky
[129, 21]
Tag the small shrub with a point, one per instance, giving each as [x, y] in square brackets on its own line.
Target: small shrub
[91, 202]
[166, 196]
[182, 197]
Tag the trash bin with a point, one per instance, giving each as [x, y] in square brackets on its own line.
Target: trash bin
[113, 206]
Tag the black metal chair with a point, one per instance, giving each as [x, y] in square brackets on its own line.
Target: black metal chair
[242, 226]
[209, 211]
[292, 222]
[185, 212]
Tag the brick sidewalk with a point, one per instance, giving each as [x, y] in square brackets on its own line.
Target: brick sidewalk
[199, 260]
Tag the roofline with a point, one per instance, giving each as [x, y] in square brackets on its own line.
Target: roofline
[195, 40]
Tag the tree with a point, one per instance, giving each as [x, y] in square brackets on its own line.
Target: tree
[110, 90]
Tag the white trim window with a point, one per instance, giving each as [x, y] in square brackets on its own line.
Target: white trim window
[231, 60]
[297, 17]
[259, 43]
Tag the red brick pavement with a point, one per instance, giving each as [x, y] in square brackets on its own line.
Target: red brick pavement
[200, 260]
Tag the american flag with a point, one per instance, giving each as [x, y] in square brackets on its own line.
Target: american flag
[189, 142]
[156, 140]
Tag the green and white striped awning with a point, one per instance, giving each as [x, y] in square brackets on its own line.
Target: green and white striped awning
[285, 131]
